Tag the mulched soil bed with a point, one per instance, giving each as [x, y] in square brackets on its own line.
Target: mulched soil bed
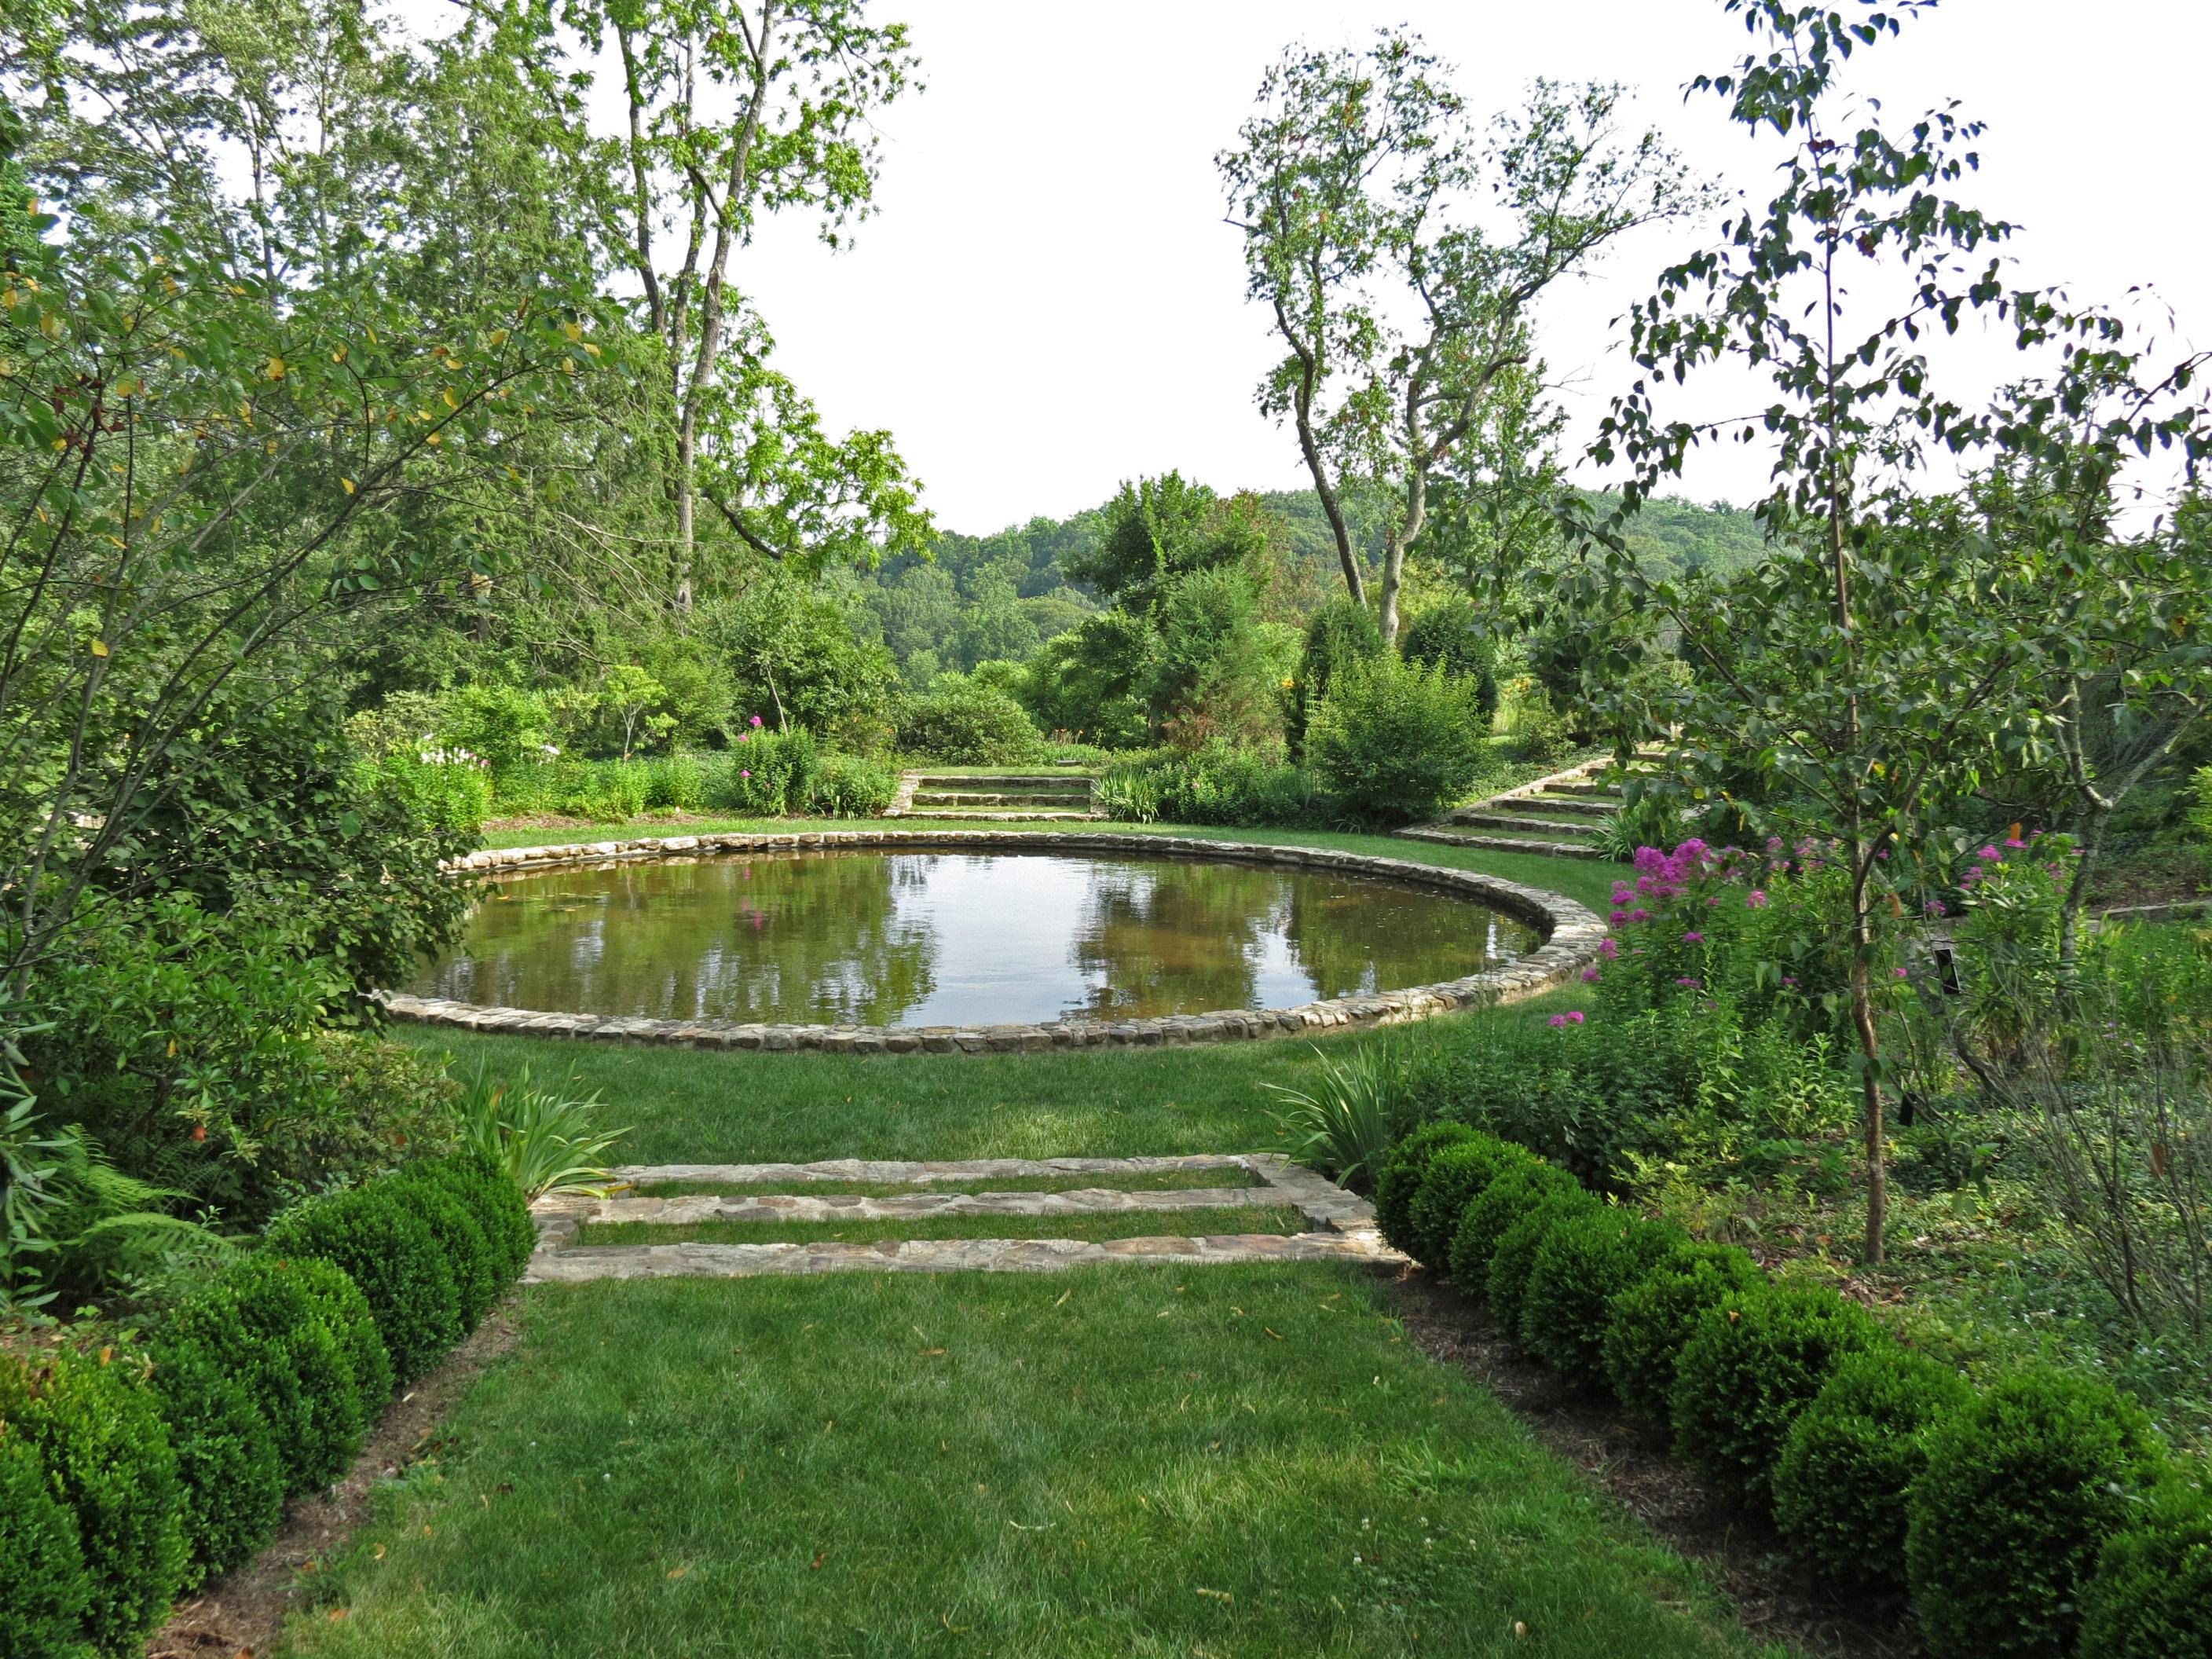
[1631, 1461]
[239, 1615]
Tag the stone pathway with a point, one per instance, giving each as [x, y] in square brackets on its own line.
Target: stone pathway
[1340, 1225]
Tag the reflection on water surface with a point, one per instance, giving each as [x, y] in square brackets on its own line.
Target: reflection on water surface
[953, 938]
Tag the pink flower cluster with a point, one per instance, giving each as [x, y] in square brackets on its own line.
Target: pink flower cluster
[1572, 1017]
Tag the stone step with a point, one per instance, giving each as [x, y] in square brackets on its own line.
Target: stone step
[1570, 805]
[995, 779]
[1556, 849]
[990, 815]
[1029, 797]
[1608, 791]
[1515, 821]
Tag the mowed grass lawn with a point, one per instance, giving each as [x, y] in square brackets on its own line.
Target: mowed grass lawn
[1236, 1462]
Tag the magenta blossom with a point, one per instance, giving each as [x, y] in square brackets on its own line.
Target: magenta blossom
[1693, 938]
[755, 722]
[1640, 916]
[1590, 976]
[1689, 984]
[1618, 917]
[2015, 842]
[1574, 1016]
[1989, 852]
[1936, 907]
[1608, 949]
[1898, 972]
[1757, 901]
[744, 774]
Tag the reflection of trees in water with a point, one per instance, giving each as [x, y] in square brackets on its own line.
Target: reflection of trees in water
[1186, 936]
[814, 938]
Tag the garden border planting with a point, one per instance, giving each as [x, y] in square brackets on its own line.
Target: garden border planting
[1571, 934]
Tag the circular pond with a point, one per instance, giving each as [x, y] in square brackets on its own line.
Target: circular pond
[881, 938]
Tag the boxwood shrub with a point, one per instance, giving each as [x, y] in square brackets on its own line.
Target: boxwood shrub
[344, 1309]
[372, 1232]
[1852, 1455]
[478, 1265]
[491, 1195]
[2023, 1487]
[1648, 1323]
[1507, 1276]
[1454, 1177]
[232, 1480]
[1753, 1361]
[279, 1344]
[1517, 1190]
[2152, 1594]
[97, 1429]
[43, 1588]
[1581, 1265]
[1399, 1183]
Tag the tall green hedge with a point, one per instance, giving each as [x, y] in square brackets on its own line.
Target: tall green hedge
[375, 1235]
[44, 1590]
[232, 1479]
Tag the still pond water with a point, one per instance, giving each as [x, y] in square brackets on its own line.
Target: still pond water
[953, 938]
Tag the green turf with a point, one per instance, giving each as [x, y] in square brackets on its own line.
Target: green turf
[1130, 1223]
[1243, 1462]
[1153, 1180]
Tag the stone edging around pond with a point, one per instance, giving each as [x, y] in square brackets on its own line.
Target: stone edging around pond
[1571, 936]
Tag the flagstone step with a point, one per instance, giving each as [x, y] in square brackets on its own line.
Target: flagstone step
[1519, 822]
[1556, 849]
[1030, 798]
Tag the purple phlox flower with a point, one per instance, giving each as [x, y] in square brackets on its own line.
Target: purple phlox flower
[1688, 984]
[1757, 901]
[1973, 874]
[1558, 1020]
[1989, 852]
[1936, 907]
[1590, 976]
[744, 774]
[755, 722]
[1774, 843]
[1574, 1015]
[2015, 842]
[1608, 949]
[1899, 973]
[1883, 854]
[1714, 902]
[1640, 916]
[1693, 938]
[1618, 917]
[1790, 979]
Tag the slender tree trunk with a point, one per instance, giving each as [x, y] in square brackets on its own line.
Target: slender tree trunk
[1355, 580]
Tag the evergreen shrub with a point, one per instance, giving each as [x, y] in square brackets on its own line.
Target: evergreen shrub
[2024, 1485]
[1753, 1361]
[1648, 1324]
[1456, 1175]
[1582, 1263]
[97, 1429]
[43, 1589]
[1506, 1280]
[231, 1478]
[1392, 743]
[1851, 1457]
[372, 1232]
[476, 1262]
[1517, 1189]
[344, 1309]
[2152, 1594]
[488, 1193]
[259, 1316]
[1399, 1183]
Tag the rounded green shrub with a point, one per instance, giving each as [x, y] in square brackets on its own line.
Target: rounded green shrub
[1580, 1265]
[1398, 1184]
[2152, 1594]
[98, 1431]
[1852, 1455]
[1394, 742]
[489, 1194]
[1753, 1361]
[964, 722]
[345, 1309]
[1450, 634]
[43, 1589]
[2022, 1488]
[1507, 1277]
[278, 1342]
[232, 1479]
[1484, 1220]
[1454, 1177]
[372, 1232]
[477, 1265]
[1648, 1323]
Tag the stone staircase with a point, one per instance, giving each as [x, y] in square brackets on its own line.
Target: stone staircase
[994, 797]
[1559, 817]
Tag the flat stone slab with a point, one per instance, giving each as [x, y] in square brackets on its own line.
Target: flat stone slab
[938, 1256]
[1571, 936]
[1340, 1225]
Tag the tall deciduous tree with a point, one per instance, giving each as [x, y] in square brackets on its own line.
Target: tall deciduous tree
[1896, 647]
[1402, 252]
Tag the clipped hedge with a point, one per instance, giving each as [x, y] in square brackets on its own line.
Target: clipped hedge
[1753, 1361]
[477, 1264]
[1648, 1324]
[1851, 1457]
[98, 1433]
[1581, 1265]
[375, 1234]
[1398, 1184]
[44, 1590]
[1511, 1263]
[2023, 1487]
[1454, 1178]
[232, 1480]
[488, 1194]
[2152, 1594]
[1489, 1216]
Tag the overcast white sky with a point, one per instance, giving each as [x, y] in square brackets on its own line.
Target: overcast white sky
[1049, 301]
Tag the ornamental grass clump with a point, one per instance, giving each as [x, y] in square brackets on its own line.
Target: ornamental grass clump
[1582, 1263]
[2023, 1487]
[1851, 1457]
[1753, 1362]
[105, 1452]
[1649, 1323]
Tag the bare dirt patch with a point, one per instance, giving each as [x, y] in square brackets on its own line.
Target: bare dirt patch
[1630, 1462]
[239, 1615]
